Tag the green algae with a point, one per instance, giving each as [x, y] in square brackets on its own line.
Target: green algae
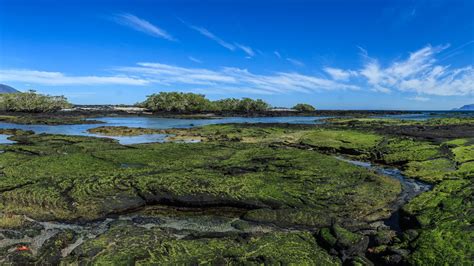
[342, 140]
[63, 178]
[35, 119]
[125, 245]
[122, 131]
[400, 151]
[445, 219]
[266, 172]
[431, 171]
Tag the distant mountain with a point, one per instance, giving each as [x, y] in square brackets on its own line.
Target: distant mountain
[467, 107]
[7, 89]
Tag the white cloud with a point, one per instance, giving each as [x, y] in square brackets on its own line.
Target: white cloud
[295, 62]
[419, 99]
[57, 78]
[277, 54]
[340, 74]
[194, 59]
[142, 25]
[420, 73]
[213, 37]
[248, 50]
[233, 78]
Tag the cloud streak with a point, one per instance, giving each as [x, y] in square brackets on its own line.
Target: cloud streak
[142, 25]
[57, 78]
[229, 46]
[212, 36]
[340, 74]
[225, 79]
[232, 78]
[195, 60]
[295, 62]
[420, 73]
[248, 50]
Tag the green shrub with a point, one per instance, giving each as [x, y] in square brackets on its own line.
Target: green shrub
[32, 102]
[304, 107]
[190, 102]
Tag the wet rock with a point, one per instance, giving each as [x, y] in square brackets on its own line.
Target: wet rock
[392, 259]
[360, 261]
[50, 252]
[12, 234]
[241, 225]
[395, 256]
[346, 244]
[410, 235]
[147, 220]
[384, 237]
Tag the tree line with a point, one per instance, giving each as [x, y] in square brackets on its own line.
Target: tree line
[173, 102]
[32, 102]
[179, 102]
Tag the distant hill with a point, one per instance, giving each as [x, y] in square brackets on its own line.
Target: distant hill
[7, 89]
[467, 107]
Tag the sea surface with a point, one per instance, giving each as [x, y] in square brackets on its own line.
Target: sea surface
[149, 122]
[166, 123]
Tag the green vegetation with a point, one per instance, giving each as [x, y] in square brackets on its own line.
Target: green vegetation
[45, 171]
[304, 107]
[43, 119]
[179, 102]
[32, 102]
[123, 131]
[268, 193]
[125, 245]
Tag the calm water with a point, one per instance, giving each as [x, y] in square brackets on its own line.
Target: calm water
[4, 139]
[164, 123]
[429, 115]
[155, 123]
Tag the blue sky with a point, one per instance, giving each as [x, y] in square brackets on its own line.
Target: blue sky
[332, 54]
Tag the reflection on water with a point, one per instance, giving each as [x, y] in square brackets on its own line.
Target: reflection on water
[155, 123]
[164, 123]
[4, 139]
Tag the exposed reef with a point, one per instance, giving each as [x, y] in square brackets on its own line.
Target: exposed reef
[246, 194]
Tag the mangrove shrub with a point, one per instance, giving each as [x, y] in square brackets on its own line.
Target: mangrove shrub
[190, 102]
[304, 107]
[32, 102]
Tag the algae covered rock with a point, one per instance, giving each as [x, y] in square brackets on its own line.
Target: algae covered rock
[123, 245]
[79, 178]
[346, 244]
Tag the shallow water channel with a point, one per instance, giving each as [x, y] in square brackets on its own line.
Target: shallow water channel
[410, 189]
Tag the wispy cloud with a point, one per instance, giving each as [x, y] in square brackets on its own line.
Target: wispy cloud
[277, 54]
[58, 78]
[230, 46]
[420, 73]
[248, 50]
[142, 25]
[362, 51]
[233, 79]
[339, 74]
[419, 99]
[194, 59]
[212, 36]
[295, 62]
